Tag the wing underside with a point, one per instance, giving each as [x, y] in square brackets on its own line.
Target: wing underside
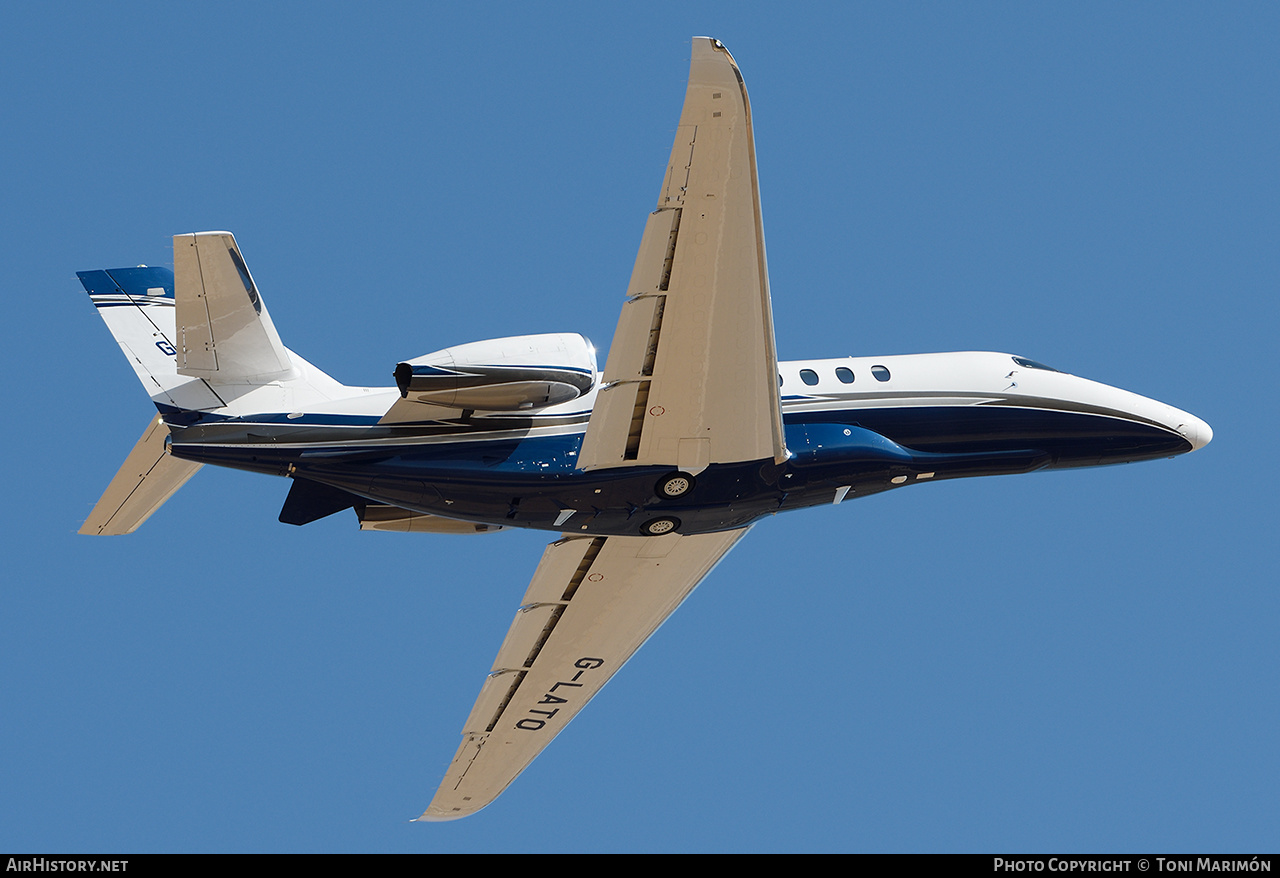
[691, 380]
[691, 377]
[593, 601]
[147, 478]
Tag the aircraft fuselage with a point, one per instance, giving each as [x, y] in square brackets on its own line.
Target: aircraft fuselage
[853, 427]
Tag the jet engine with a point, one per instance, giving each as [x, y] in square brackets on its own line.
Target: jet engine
[502, 374]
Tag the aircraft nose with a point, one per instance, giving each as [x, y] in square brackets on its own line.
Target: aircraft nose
[1196, 431]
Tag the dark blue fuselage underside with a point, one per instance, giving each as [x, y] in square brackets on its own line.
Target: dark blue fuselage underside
[532, 481]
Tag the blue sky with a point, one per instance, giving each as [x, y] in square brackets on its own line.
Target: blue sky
[1066, 661]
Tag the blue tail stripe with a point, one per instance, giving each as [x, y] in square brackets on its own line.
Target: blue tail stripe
[131, 281]
[98, 283]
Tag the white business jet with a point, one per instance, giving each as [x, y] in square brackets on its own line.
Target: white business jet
[650, 472]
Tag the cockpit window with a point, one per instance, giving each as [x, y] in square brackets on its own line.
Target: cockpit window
[1032, 364]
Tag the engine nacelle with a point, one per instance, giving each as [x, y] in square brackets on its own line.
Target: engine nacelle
[503, 374]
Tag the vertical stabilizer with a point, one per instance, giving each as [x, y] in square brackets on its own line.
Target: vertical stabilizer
[200, 341]
[137, 304]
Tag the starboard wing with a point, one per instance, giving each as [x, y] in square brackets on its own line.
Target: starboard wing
[692, 374]
[593, 601]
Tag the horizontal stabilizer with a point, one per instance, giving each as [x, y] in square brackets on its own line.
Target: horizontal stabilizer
[148, 477]
[224, 331]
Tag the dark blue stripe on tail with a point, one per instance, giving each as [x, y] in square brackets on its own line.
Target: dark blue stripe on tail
[132, 281]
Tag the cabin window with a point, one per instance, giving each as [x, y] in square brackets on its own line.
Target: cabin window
[1032, 364]
[808, 376]
[880, 373]
[845, 375]
[779, 379]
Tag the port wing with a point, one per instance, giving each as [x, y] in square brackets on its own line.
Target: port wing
[593, 601]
